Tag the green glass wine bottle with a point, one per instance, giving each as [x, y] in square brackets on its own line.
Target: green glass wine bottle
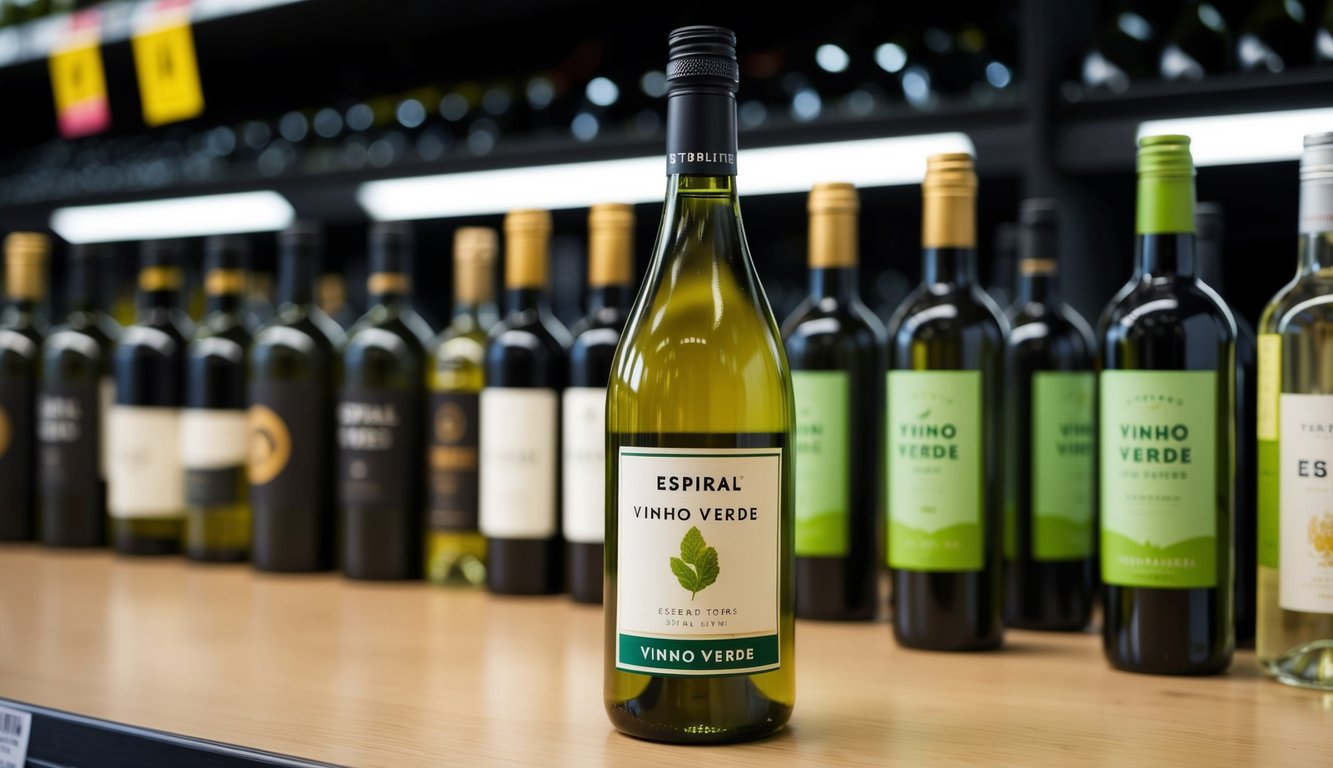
[946, 358]
[699, 598]
[22, 328]
[1166, 440]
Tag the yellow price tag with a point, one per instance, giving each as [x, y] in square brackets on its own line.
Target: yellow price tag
[78, 82]
[168, 71]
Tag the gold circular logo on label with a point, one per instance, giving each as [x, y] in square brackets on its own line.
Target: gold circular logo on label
[6, 431]
[270, 445]
[450, 423]
[1320, 535]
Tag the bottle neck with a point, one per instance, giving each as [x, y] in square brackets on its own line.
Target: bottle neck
[1164, 222]
[1316, 226]
[223, 302]
[603, 297]
[81, 291]
[525, 298]
[296, 278]
[1037, 287]
[389, 289]
[159, 288]
[841, 283]
[955, 266]
[1167, 255]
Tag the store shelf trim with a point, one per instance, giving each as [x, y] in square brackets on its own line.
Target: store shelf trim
[262, 211]
[765, 171]
[1259, 137]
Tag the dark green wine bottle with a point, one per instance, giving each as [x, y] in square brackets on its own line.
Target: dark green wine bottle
[379, 418]
[213, 425]
[72, 408]
[1051, 439]
[1167, 445]
[836, 350]
[946, 360]
[22, 328]
[293, 365]
[146, 482]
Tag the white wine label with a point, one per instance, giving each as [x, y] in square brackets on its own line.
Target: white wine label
[146, 478]
[1305, 546]
[15, 730]
[583, 413]
[697, 560]
[213, 438]
[108, 393]
[518, 463]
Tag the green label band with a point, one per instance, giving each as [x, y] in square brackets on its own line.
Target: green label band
[740, 655]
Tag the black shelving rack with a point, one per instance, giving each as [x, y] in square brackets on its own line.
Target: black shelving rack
[1034, 143]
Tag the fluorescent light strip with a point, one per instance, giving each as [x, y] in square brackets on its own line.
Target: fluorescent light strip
[1260, 137]
[179, 217]
[771, 170]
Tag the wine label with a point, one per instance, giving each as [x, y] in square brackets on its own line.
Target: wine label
[1305, 547]
[377, 448]
[697, 573]
[214, 448]
[1159, 478]
[16, 448]
[583, 433]
[69, 435]
[290, 428]
[518, 463]
[146, 478]
[1269, 480]
[1063, 464]
[452, 461]
[935, 471]
[823, 492]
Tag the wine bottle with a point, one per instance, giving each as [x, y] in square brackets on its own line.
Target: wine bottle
[72, 408]
[145, 479]
[1197, 44]
[213, 424]
[699, 620]
[583, 404]
[946, 359]
[1166, 441]
[1276, 36]
[1295, 613]
[1050, 488]
[22, 328]
[455, 547]
[379, 419]
[1208, 222]
[293, 364]
[332, 299]
[525, 370]
[835, 347]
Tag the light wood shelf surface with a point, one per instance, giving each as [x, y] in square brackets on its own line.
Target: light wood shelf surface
[413, 675]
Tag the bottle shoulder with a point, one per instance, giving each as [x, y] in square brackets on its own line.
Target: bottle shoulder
[529, 328]
[1166, 306]
[1040, 326]
[300, 329]
[1298, 306]
[938, 311]
[598, 329]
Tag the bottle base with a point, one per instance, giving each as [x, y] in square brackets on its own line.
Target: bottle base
[753, 716]
[217, 555]
[1201, 669]
[1306, 666]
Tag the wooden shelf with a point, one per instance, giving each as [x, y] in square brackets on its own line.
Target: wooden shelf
[408, 674]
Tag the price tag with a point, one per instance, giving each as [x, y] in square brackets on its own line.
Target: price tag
[15, 728]
[77, 80]
[165, 62]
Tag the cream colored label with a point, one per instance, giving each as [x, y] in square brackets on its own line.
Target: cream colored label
[1306, 513]
[518, 462]
[583, 434]
[147, 479]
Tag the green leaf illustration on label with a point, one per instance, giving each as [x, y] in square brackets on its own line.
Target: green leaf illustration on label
[696, 568]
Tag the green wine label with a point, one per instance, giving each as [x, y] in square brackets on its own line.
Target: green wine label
[935, 465]
[1062, 464]
[823, 496]
[1159, 478]
[697, 577]
[1306, 498]
[1268, 405]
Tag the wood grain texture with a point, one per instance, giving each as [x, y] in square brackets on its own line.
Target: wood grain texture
[412, 675]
